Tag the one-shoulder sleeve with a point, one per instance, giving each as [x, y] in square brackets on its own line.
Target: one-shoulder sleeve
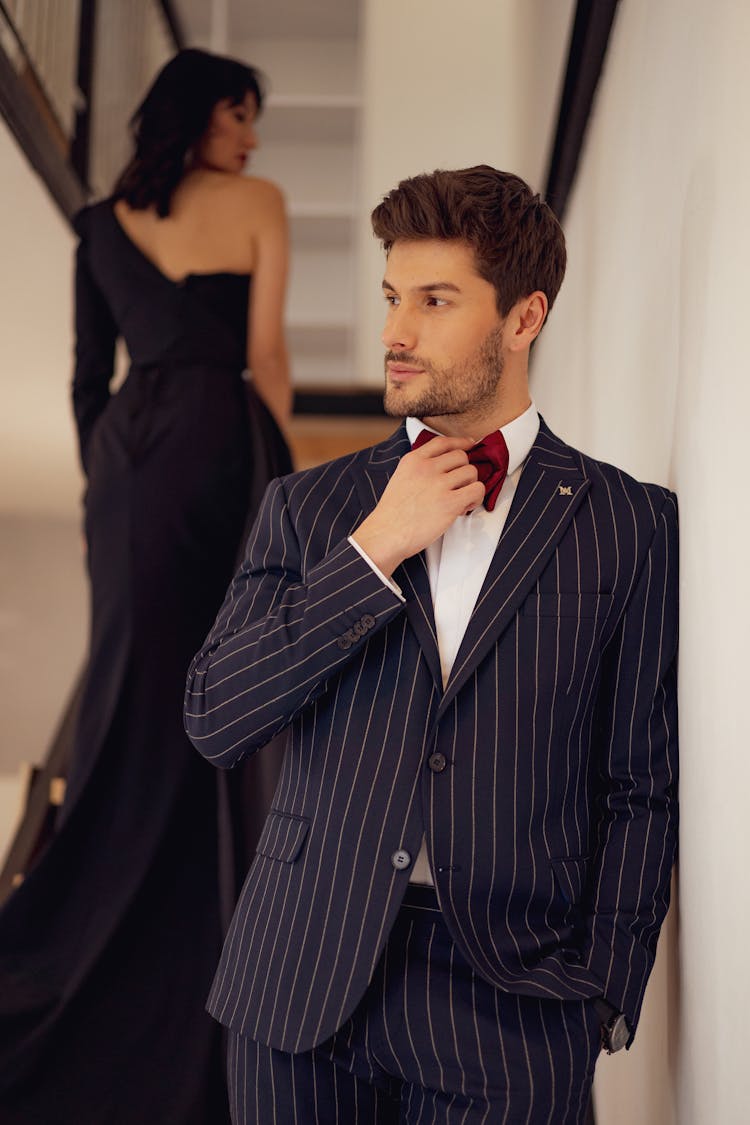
[96, 335]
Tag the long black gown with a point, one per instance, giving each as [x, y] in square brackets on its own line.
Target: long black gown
[108, 948]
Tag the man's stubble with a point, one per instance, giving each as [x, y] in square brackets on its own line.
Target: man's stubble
[466, 388]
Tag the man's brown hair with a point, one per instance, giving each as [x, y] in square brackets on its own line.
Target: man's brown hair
[518, 244]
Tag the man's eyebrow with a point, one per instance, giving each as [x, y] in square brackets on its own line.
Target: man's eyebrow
[446, 286]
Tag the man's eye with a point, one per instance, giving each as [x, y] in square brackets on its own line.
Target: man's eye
[392, 300]
[436, 302]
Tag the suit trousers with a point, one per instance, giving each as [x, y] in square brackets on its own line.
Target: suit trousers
[430, 1041]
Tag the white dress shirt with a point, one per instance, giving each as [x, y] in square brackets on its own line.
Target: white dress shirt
[457, 562]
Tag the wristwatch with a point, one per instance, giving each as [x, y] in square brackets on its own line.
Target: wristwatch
[615, 1030]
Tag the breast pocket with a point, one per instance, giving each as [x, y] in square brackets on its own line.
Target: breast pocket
[578, 605]
[283, 836]
[563, 629]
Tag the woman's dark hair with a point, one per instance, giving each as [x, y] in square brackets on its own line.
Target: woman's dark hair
[173, 117]
[518, 243]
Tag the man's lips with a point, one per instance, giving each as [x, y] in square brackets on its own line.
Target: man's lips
[402, 371]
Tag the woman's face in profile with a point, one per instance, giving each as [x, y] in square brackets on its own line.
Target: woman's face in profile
[230, 136]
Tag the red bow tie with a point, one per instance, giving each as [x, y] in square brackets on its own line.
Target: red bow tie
[490, 456]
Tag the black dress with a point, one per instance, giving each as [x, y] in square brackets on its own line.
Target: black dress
[108, 948]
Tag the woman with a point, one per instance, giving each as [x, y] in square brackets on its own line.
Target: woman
[108, 948]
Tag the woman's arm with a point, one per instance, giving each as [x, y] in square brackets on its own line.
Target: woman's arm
[266, 352]
[96, 334]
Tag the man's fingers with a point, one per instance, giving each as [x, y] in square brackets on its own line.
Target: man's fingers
[462, 476]
[443, 459]
[473, 495]
[440, 445]
[447, 462]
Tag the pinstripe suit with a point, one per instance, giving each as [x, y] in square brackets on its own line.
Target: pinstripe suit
[551, 832]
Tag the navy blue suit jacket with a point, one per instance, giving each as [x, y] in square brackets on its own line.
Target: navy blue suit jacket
[551, 831]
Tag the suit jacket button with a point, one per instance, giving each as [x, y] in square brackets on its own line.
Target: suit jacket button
[400, 859]
[437, 762]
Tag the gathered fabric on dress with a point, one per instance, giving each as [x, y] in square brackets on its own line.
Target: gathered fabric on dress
[108, 948]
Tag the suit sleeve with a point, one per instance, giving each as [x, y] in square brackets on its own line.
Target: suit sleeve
[636, 743]
[281, 637]
[96, 335]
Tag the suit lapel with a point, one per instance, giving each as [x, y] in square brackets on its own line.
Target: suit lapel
[414, 580]
[550, 489]
[412, 575]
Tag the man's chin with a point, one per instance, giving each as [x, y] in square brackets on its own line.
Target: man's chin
[397, 411]
[396, 404]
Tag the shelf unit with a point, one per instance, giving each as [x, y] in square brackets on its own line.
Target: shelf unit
[321, 118]
[309, 134]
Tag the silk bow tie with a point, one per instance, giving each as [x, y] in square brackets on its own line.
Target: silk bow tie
[490, 458]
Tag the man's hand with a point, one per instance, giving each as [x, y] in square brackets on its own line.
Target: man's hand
[431, 487]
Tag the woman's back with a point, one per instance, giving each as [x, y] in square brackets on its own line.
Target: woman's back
[225, 224]
[213, 225]
[198, 318]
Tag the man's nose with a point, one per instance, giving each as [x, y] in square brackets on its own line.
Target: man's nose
[251, 137]
[399, 333]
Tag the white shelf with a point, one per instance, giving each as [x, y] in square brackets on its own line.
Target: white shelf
[321, 354]
[312, 101]
[322, 210]
[316, 225]
[318, 338]
[309, 173]
[308, 136]
[322, 371]
[326, 119]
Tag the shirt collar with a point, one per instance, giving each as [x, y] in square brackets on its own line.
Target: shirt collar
[520, 435]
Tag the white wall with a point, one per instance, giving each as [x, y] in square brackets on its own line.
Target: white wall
[644, 363]
[449, 86]
[43, 613]
[38, 469]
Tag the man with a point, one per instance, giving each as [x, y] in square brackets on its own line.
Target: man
[458, 892]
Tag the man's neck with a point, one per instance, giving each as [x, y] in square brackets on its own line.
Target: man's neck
[475, 426]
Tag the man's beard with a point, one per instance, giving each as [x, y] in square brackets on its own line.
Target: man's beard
[463, 388]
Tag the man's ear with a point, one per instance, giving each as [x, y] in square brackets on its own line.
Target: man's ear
[525, 321]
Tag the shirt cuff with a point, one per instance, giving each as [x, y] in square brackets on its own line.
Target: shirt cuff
[388, 582]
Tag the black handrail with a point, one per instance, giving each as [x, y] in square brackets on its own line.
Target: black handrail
[25, 122]
[79, 147]
[66, 178]
[588, 48]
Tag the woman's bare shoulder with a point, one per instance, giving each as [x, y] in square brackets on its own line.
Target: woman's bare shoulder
[262, 192]
[247, 199]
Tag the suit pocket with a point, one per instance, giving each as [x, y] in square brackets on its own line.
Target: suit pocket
[560, 638]
[569, 872]
[283, 836]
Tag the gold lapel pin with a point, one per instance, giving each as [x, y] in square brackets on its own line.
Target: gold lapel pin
[566, 489]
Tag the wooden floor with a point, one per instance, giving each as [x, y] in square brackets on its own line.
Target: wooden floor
[316, 438]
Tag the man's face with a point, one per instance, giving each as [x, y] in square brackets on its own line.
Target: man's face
[443, 336]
